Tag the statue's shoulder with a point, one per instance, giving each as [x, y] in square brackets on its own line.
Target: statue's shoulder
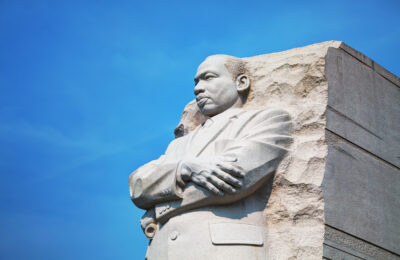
[266, 113]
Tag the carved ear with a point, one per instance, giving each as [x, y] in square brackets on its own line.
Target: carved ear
[242, 83]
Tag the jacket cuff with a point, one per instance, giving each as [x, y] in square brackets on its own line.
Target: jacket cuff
[178, 177]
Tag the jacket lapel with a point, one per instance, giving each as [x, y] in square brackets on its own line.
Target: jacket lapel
[203, 136]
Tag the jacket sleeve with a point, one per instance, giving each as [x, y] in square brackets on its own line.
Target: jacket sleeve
[155, 182]
[259, 147]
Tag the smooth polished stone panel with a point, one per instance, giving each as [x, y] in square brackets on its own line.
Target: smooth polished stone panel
[370, 63]
[361, 194]
[363, 106]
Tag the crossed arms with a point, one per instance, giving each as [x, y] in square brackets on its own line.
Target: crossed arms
[240, 166]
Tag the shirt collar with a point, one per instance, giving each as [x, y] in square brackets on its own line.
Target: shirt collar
[230, 113]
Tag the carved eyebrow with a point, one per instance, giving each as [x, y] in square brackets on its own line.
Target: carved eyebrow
[196, 79]
[201, 75]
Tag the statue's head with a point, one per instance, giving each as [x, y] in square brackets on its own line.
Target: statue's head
[222, 82]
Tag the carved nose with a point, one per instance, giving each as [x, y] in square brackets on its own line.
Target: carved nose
[198, 89]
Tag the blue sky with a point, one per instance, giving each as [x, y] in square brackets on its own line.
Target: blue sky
[90, 90]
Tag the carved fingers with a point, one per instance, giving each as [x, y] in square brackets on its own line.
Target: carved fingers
[234, 171]
[226, 177]
[220, 184]
[203, 181]
[217, 177]
[217, 181]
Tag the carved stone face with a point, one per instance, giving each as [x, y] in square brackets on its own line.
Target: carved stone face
[215, 90]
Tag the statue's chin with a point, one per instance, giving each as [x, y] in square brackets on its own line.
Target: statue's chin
[208, 112]
[204, 109]
[211, 109]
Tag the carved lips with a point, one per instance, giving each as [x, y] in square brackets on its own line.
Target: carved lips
[201, 100]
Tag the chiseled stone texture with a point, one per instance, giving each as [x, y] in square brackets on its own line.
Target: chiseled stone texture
[295, 80]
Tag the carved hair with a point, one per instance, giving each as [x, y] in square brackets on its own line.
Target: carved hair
[235, 66]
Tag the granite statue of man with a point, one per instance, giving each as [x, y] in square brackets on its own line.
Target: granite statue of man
[204, 198]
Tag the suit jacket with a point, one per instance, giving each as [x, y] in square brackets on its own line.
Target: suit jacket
[196, 224]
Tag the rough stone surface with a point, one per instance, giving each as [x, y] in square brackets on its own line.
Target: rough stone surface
[295, 80]
[190, 119]
[332, 80]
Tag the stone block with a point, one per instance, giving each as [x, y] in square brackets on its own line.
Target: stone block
[362, 194]
[363, 106]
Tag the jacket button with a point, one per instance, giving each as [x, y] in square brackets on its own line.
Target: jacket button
[174, 235]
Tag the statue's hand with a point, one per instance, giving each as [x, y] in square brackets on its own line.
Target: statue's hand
[217, 176]
[149, 224]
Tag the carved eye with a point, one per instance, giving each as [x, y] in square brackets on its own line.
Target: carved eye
[209, 77]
